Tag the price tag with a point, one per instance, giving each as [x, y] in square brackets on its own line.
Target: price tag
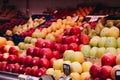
[47, 77]
[27, 77]
[74, 19]
[65, 78]
[66, 69]
[117, 74]
[94, 18]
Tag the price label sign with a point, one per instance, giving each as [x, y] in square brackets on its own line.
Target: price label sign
[27, 77]
[94, 18]
[66, 69]
[47, 77]
[74, 19]
[117, 74]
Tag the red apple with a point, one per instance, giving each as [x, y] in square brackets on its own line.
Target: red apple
[30, 51]
[35, 61]
[21, 69]
[59, 38]
[57, 47]
[43, 62]
[56, 54]
[12, 59]
[34, 71]
[73, 46]
[84, 39]
[95, 70]
[16, 68]
[105, 72]
[3, 66]
[21, 60]
[46, 53]
[39, 42]
[9, 67]
[64, 47]
[75, 31]
[2, 50]
[48, 44]
[51, 62]
[64, 39]
[108, 59]
[14, 50]
[97, 78]
[28, 60]
[41, 71]
[67, 31]
[72, 39]
[36, 51]
[28, 71]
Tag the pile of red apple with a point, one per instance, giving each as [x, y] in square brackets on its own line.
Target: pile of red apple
[106, 71]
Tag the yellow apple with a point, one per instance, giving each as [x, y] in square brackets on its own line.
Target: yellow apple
[58, 64]
[75, 76]
[86, 66]
[76, 67]
[50, 71]
[85, 76]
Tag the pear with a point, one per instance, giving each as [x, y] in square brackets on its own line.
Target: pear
[109, 23]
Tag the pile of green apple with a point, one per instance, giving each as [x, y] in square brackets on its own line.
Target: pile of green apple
[108, 41]
[79, 67]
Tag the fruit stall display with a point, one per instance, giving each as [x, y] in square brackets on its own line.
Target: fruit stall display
[91, 49]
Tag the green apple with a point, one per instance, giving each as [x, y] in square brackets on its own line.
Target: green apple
[93, 52]
[113, 32]
[111, 50]
[104, 32]
[94, 41]
[68, 55]
[27, 39]
[85, 50]
[21, 45]
[118, 50]
[118, 42]
[78, 57]
[111, 42]
[33, 40]
[100, 52]
[26, 46]
[50, 37]
[101, 42]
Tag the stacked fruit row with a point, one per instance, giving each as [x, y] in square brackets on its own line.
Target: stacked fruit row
[79, 67]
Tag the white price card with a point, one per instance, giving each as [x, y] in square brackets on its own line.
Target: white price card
[27, 77]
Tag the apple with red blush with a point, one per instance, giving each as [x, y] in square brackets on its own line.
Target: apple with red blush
[56, 54]
[41, 71]
[21, 69]
[67, 31]
[46, 53]
[72, 39]
[35, 61]
[51, 62]
[28, 71]
[64, 47]
[12, 59]
[5, 56]
[44, 62]
[30, 51]
[21, 60]
[48, 44]
[39, 42]
[36, 51]
[28, 60]
[65, 39]
[73, 46]
[95, 71]
[57, 47]
[75, 31]
[3, 66]
[108, 59]
[16, 68]
[105, 72]
[14, 50]
[9, 67]
[34, 71]
[84, 39]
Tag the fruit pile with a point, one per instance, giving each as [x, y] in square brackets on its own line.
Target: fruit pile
[109, 64]
[79, 67]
